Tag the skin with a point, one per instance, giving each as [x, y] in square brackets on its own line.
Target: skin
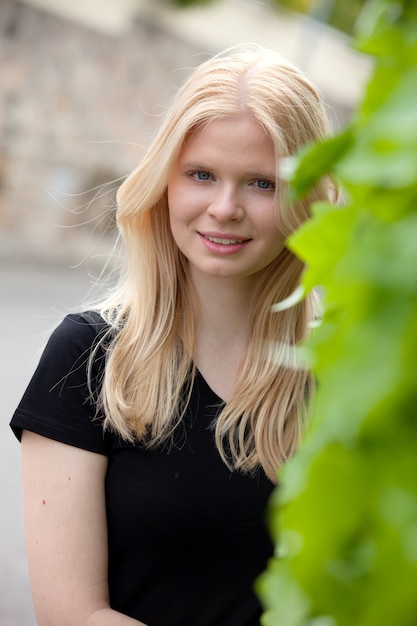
[65, 525]
[222, 187]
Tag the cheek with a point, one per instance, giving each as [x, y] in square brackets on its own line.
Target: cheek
[184, 208]
[177, 222]
[177, 200]
[175, 208]
[267, 222]
[274, 235]
[174, 225]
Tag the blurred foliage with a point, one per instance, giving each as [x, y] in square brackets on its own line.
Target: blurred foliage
[345, 517]
[187, 3]
[341, 14]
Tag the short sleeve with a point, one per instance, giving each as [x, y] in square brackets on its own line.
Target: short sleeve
[58, 402]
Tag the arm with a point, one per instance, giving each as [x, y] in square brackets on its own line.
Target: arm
[66, 534]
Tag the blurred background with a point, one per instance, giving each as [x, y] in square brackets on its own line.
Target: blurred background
[82, 86]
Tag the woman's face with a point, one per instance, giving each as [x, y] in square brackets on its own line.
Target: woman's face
[221, 200]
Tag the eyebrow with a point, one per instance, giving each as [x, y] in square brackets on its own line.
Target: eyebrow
[197, 165]
[263, 174]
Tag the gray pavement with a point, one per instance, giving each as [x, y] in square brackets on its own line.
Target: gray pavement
[33, 298]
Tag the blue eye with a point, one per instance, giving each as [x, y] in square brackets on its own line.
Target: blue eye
[265, 184]
[200, 175]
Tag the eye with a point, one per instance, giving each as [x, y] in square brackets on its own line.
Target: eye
[264, 184]
[200, 175]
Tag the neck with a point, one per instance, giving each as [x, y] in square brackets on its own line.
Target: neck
[222, 331]
[224, 308]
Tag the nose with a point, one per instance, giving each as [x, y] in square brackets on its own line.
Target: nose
[226, 206]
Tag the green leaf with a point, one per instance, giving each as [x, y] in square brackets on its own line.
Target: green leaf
[313, 163]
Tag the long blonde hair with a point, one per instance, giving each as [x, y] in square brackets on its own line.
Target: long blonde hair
[152, 311]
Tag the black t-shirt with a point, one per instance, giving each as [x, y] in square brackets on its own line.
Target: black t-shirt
[186, 537]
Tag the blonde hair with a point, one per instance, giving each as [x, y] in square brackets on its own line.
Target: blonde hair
[152, 311]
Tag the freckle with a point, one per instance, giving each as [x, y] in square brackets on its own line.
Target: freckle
[43, 501]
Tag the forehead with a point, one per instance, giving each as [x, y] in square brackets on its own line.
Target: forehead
[236, 136]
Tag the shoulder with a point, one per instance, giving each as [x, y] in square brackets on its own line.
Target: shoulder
[60, 400]
[83, 326]
[76, 334]
[76, 342]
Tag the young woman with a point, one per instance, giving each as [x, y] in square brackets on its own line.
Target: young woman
[154, 427]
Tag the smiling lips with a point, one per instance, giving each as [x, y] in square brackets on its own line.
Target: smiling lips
[223, 244]
[225, 241]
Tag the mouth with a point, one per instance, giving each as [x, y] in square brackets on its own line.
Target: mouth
[224, 241]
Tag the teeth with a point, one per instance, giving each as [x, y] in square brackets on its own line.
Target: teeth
[226, 242]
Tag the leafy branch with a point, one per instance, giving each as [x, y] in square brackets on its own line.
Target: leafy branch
[345, 517]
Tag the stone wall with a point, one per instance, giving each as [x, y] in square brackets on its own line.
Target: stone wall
[76, 108]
